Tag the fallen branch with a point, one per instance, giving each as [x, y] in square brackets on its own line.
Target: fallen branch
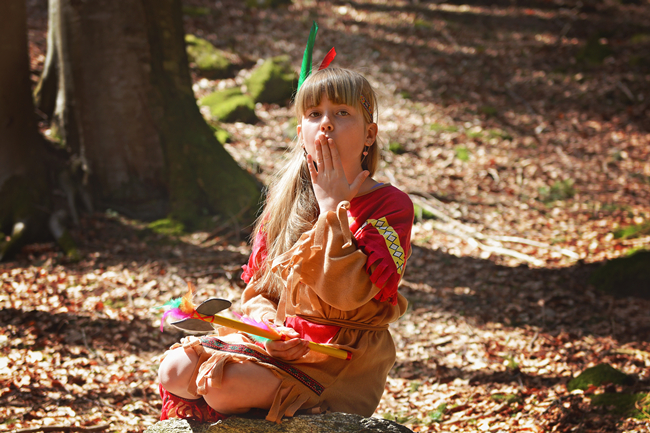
[523, 241]
[645, 356]
[491, 244]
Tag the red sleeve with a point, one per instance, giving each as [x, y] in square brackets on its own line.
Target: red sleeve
[385, 237]
[258, 256]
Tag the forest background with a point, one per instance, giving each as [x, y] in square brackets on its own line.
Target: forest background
[522, 132]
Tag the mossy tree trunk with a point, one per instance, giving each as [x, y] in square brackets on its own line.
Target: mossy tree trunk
[24, 204]
[125, 109]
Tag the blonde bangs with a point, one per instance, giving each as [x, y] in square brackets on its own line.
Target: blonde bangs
[341, 86]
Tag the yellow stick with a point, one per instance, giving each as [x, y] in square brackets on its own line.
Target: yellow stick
[250, 329]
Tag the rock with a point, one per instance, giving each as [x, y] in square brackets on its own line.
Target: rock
[627, 405]
[598, 375]
[625, 276]
[230, 105]
[272, 82]
[329, 423]
[211, 62]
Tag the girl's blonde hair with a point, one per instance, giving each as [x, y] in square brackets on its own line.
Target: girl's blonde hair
[291, 207]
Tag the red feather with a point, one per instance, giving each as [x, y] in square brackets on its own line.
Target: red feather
[328, 59]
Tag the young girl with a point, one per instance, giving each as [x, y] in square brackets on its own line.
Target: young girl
[329, 252]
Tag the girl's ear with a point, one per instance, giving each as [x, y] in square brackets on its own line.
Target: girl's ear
[298, 129]
[371, 134]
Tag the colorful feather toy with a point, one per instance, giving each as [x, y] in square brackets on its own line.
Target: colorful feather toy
[201, 318]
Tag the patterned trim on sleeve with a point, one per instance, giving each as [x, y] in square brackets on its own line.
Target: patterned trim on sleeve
[392, 241]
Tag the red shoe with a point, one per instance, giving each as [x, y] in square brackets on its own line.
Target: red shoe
[178, 407]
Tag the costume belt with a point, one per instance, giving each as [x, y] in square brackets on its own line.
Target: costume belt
[345, 323]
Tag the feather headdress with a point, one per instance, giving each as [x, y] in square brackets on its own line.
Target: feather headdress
[305, 69]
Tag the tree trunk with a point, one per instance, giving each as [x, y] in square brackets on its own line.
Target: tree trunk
[24, 205]
[126, 110]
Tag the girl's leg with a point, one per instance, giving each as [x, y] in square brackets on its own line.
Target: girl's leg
[176, 371]
[245, 385]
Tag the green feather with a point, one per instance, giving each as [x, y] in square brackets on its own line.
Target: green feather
[174, 303]
[305, 69]
[258, 338]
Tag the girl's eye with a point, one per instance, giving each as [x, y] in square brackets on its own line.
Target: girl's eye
[344, 113]
[313, 114]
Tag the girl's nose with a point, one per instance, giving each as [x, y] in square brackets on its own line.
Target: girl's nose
[326, 124]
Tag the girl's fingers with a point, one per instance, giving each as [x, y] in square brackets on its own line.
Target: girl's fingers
[312, 170]
[336, 157]
[327, 153]
[287, 350]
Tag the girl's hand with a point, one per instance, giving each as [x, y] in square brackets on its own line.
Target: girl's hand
[330, 184]
[287, 350]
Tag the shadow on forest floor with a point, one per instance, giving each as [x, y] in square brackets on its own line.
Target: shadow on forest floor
[120, 327]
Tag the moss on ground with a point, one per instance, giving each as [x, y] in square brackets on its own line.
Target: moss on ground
[273, 81]
[598, 375]
[209, 60]
[167, 227]
[627, 405]
[633, 231]
[230, 105]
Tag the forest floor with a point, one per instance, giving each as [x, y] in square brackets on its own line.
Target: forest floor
[524, 125]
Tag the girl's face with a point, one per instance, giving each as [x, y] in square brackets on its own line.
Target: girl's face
[345, 125]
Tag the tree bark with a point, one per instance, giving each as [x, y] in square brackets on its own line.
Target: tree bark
[126, 110]
[24, 204]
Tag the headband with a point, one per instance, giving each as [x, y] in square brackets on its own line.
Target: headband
[305, 68]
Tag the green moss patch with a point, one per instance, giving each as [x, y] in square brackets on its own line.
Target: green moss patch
[633, 231]
[625, 276]
[211, 62]
[396, 148]
[560, 190]
[628, 405]
[598, 375]
[220, 134]
[439, 127]
[462, 153]
[230, 105]
[273, 81]
[167, 227]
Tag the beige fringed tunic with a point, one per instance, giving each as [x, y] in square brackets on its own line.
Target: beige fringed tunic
[327, 282]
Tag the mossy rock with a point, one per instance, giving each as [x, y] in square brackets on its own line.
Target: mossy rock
[628, 405]
[598, 375]
[273, 81]
[230, 105]
[211, 62]
[625, 276]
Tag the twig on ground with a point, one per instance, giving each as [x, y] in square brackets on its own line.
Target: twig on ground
[471, 235]
[490, 244]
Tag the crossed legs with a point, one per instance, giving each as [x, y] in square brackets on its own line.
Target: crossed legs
[245, 385]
